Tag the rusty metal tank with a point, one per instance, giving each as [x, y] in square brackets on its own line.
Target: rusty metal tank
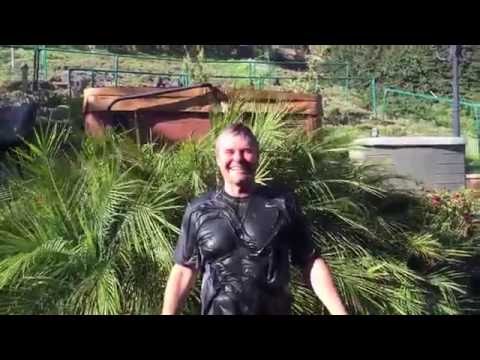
[181, 113]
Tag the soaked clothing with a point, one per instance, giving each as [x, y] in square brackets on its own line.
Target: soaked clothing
[242, 247]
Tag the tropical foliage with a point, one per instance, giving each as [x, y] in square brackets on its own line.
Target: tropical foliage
[90, 229]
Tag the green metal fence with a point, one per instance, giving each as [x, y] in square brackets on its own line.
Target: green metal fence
[443, 99]
[471, 114]
[184, 79]
[470, 106]
[257, 71]
[254, 72]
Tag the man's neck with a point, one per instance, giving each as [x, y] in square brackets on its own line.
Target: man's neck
[239, 191]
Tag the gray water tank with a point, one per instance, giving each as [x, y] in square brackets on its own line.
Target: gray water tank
[428, 162]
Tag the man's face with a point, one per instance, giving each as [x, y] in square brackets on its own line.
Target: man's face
[237, 158]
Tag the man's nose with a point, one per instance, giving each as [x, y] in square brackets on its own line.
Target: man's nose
[237, 156]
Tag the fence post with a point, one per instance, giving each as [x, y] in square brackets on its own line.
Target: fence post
[347, 84]
[36, 67]
[45, 63]
[69, 76]
[373, 86]
[271, 69]
[476, 120]
[12, 59]
[42, 62]
[384, 102]
[24, 69]
[250, 71]
[115, 66]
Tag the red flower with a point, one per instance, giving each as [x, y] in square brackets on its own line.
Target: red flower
[436, 200]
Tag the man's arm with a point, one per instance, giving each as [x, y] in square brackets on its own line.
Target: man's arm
[321, 280]
[179, 284]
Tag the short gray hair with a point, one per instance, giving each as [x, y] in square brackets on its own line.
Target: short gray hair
[239, 128]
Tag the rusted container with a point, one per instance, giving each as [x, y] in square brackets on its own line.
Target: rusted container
[306, 109]
[180, 113]
[472, 181]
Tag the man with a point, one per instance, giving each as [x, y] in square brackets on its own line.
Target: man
[240, 238]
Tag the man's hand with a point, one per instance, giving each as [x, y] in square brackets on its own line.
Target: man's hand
[179, 284]
[320, 278]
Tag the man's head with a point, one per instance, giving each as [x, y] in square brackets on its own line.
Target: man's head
[237, 154]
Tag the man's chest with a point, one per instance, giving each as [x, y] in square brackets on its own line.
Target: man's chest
[255, 229]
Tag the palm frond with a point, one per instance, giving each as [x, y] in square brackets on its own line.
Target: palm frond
[98, 294]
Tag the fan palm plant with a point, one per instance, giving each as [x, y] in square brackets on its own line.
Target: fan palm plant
[92, 230]
[80, 232]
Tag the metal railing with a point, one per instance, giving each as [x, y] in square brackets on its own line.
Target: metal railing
[468, 104]
[185, 80]
[41, 63]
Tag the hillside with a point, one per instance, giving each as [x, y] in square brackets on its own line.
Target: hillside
[344, 80]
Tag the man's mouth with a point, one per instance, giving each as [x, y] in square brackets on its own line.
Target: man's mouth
[240, 169]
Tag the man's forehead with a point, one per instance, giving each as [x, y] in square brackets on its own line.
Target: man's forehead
[229, 138]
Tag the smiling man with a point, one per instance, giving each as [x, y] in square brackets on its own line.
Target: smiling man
[241, 239]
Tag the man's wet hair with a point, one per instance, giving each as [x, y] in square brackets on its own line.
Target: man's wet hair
[239, 128]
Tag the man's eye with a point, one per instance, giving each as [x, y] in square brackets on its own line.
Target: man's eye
[229, 152]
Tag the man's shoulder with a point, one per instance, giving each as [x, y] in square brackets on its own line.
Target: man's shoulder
[201, 199]
[277, 190]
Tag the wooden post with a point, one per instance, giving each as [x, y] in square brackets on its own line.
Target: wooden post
[36, 68]
[12, 59]
[24, 69]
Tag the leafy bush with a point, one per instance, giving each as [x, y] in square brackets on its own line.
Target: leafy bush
[91, 230]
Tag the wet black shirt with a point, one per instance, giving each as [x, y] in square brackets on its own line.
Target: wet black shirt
[242, 247]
